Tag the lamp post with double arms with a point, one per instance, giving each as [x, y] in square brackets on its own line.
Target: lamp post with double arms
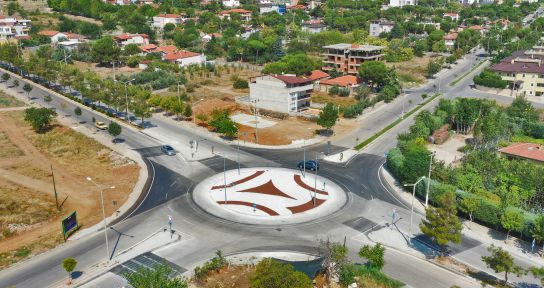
[103, 214]
[413, 197]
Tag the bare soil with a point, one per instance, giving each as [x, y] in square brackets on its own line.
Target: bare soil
[413, 72]
[26, 180]
[8, 101]
[105, 72]
[324, 98]
[219, 87]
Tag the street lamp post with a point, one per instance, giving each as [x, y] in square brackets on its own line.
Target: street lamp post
[225, 176]
[103, 215]
[304, 163]
[413, 197]
[194, 115]
[126, 98]
[429, 180]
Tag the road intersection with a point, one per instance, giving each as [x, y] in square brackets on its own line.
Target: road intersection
[173, 178]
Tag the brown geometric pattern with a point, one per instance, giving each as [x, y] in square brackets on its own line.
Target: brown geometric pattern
[306, 206]
[252, 176]
[301, 183]
[268, 188]
[260, 207]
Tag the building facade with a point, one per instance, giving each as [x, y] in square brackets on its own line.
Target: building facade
[162, 19]
[400, 3]
[524, 72]
[347, 58]
[281, 93]
[313, 26]
[378, 27]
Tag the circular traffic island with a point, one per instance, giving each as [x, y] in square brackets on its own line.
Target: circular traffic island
[269, 196]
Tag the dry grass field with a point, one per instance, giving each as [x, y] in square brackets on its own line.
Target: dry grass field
[413, 72]
[7, 101]
[29, 220]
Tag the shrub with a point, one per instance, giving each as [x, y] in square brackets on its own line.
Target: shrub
[334, 90]
[270, 273]
[240, 84]
[490, 79]
[343, 92]
[214, 264]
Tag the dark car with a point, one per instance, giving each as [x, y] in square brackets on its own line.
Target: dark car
[168, 150]
[310, 165]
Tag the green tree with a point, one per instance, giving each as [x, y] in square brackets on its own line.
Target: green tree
[335, 255]
[27, 88]
[223, 124]
[299, 64]
[188, 112]
[538, 273]
[77, 111]
[16, 83]
[328, 117]
[522, 108]
[105, 50]
[270, 273]
[39, 118]
[139, 105]
[114, 129]
[69, 265]
[131, 49]
[434, 67]
[374, 254]
[374, 71]
[501, 261]
[158, 276]
[47, 98]
[6, 76]
[468, 205]
[537, 230]
[512, 219]
[442, 224]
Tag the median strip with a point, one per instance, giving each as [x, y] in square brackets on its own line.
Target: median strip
[454, 82]
[363, 144]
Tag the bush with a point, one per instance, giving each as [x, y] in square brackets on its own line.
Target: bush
[490, 79]
[343, 92]
[240, 84]
[270, 273]
[350, 271]
[334, 90]
[214, 264]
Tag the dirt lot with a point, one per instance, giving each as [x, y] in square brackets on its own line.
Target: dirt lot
[219, 87]
[7, 101]
[324, 98]
[105, 72]
[29, 220]
[413, 72]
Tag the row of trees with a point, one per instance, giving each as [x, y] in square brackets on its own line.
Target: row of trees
[493, 190]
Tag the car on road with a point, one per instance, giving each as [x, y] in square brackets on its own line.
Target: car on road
[101, 125]
[168, 150]
[310, 165]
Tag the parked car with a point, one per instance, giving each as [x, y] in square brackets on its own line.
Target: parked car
[101, 125]
[310, 165]
[168, 150]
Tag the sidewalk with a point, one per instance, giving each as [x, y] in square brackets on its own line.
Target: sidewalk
[160, 238]
[103, 139]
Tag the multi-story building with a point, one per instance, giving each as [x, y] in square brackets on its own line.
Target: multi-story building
[245, 15]
[380, 26]
[162, 19]
[281, 93]
[11, 27]
[400, 3]
[231, 3]
[138, 39]
[449, 40]
[524, 71]
[347, 58]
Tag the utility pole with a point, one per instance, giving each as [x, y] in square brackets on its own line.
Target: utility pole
[315, 178]
[55, 189]
[225, 176]
[304, 163]
[412, 213]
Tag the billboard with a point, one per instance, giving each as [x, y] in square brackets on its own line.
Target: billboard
[69, 225]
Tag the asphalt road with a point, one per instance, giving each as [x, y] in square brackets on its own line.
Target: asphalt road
[174, 178]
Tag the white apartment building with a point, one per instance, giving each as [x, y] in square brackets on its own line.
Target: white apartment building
[231, 3]
[162, 19]
[14, 28]
[378, 27]
[400, 3]
[138, 39]
[185, 58]
[281, 93]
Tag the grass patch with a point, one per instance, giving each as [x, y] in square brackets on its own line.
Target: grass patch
[393, 124]
[454, 82]
[7, 148]
[409, 78]
[26, 168]
[8, 101]
[527, 139]
[324, 98]
[366, 276]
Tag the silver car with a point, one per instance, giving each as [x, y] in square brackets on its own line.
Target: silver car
[168, 150]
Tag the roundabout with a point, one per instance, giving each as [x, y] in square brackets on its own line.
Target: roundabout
[269, 196]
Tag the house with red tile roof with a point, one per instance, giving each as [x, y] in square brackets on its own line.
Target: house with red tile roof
[449, 40]
[281, 93]
[452, 16]
[138, 39]
[245, 14]
[349, 82]
[184, 58]
[56, 36]
[528, 151]
[317, 75]
[524, 71]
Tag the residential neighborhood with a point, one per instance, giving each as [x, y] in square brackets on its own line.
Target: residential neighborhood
[271, 143]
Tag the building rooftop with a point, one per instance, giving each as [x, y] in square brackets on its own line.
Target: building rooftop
[288, 79]
[525, 150]
[520, 62]
[130, 36]
[180, 55]
[318, 74]
[235, 10]
[173, 16]
[354, 47]
[383, 22]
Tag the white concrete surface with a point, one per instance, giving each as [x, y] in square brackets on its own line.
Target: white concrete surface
[342, 157]
[249, 120]
[255, 257]
[283, 179]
